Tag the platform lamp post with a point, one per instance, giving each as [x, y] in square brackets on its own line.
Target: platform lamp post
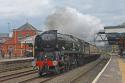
[33, 49]
[33, 46]
[21, 49]
[25, 49]
[123, 41]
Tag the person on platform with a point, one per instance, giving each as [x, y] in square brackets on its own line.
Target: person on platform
[10, 51]
[1, 53]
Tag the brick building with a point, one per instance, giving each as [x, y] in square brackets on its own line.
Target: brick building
[26, 30]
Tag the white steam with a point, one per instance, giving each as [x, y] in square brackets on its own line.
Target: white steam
[69, 21]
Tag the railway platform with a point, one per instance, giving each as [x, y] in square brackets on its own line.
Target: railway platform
[113, 72]
[16, 59]
[13, 58]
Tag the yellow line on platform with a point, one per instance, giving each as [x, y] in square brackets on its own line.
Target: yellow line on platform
[122, 68]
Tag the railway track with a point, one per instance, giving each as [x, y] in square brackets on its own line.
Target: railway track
[16, 75]
[85, 76]
[22, 77]
[48, 79]
[41, 79]
[37, 80]
[89, 73]
[31, 76]
[18, 68]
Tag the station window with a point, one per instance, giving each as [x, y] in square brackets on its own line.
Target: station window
[20, 36]
[27, 35]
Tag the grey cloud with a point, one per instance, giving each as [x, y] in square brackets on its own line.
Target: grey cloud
[111, 12]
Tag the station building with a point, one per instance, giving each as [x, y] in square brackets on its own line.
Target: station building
[24, 31]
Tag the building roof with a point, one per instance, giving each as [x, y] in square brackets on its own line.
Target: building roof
[26, 26]
[114, 27]
[3, 35]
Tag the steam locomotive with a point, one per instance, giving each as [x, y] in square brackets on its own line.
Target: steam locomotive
[56, 52]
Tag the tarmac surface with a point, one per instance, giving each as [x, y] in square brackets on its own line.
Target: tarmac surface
[115, 71]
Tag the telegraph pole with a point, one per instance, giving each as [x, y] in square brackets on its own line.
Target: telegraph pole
[9, 27]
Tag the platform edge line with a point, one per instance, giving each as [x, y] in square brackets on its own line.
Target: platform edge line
[100, 73]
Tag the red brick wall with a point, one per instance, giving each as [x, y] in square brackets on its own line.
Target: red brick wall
[24, 34]
[14, 42]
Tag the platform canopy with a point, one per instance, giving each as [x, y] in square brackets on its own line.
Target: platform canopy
[115, 29]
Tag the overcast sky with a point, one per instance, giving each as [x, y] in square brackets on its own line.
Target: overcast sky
[17, 12]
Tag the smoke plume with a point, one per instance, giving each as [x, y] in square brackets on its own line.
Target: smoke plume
[69, 21]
